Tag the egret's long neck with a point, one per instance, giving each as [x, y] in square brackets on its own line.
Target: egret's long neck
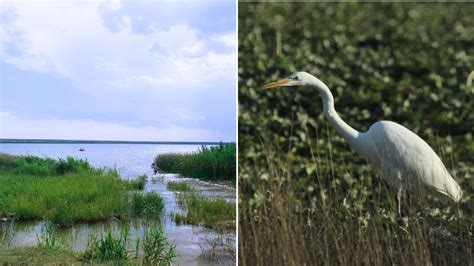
[350, 134]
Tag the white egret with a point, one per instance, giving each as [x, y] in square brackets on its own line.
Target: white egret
[402, 158]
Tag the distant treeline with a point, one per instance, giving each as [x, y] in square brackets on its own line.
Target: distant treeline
[211, 163]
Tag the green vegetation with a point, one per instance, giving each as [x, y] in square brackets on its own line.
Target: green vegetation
[36, 166]
[157, 249]
[149, 204]
[220, 246]
[304, 195]
[139, 183]
[68, 191]
[167, 162]
[47, 239]
[37, 256]
[178, 186]
[64, 191]
[217, 214]
[108, 247]
[213, 163]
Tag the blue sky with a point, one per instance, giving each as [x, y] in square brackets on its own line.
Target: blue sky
[115, 70]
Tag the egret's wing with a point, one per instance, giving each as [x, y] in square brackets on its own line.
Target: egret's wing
[402, 150]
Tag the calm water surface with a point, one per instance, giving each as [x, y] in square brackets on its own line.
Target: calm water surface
[130, 160]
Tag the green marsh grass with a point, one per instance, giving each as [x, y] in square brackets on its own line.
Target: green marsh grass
[217, 214]
[168, 162]
[38, 256]
[62, 191]
[178, 186]
[157, 249]
[139, 183]
[111, 246]
[147, 204]
[211, 163]
[108, 247]
[47, 239]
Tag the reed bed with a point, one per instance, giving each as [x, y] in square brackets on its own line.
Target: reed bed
[157, 249]
[287, 217]
[108, 247]
[139, 183]
[148, 204]
[210, 163]
[217, 213]
[178, 186]
[111, 246]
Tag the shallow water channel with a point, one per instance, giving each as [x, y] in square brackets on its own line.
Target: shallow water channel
[191, 240]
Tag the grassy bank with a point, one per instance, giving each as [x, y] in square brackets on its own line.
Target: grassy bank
[217, 214]
[210, 163]
[304, 195]
[61, 191]
[34, 255]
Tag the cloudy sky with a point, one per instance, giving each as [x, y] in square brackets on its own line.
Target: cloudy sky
[114, 70]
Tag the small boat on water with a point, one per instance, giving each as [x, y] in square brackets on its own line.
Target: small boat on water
[82, 149]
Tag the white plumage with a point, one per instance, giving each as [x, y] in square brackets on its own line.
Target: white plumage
[402, 158]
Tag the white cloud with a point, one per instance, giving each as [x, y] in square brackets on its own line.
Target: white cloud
[111, 5]
[228, 39]
[70, 40]
[153, 81]
[25, 128]
[152, 75]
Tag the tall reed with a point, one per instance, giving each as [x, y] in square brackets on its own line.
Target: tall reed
[148, 204]
[217, 213]
[108, 247]
[178, 186]
[157, 250]
[287, 217]
[47, 239]
[213, 163]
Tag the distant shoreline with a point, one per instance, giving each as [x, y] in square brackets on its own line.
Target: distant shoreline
[66, 141]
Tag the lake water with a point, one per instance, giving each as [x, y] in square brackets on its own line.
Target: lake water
[130, 160]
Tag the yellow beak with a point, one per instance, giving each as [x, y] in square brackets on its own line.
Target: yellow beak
[276, 84]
